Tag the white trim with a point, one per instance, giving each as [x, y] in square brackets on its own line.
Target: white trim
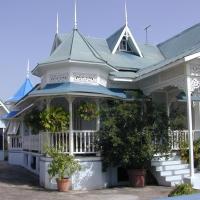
[5, 108]
[74, 61]
[69, 61]
[191, 57]
[134, 42]
[118, 42]
[122, 79]
[22, 111]
[77, 94]
[126, 29]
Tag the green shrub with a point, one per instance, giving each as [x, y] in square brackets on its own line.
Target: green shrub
[182, 189]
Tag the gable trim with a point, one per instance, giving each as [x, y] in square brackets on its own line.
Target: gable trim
[126, 29]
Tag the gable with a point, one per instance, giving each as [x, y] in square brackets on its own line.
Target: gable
[123, 40]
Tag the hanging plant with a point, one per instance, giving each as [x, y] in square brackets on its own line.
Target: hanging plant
[55, 119]
[88, 111]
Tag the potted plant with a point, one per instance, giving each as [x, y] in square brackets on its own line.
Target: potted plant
[88, 111]
[63, 166]
[127, 134]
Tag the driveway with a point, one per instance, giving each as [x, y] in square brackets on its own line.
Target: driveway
[16, 183]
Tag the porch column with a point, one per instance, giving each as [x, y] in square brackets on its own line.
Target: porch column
[71, 139]
[98, 118]
[3, 145]
[189, 116]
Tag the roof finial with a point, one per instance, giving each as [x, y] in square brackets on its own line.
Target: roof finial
[28, 70]
[57, 24]
[126, 14]
[75, 15]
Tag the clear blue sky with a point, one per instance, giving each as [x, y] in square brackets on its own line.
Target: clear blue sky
[27, 27]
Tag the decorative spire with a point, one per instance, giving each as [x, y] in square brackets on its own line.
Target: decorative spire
[75, 16]
[28, 70]
[126, 14]
[57, 24]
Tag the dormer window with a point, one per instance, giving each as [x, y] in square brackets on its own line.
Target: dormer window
[123, 41]
[124, 45]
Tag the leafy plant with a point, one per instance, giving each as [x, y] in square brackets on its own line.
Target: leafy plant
[88, 111]
[128, 131]
[54, 119]
[182, 189]
[184, 152]
[32, 120]
[177, 119]
[62, 165]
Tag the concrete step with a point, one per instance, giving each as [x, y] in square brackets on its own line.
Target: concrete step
[174, 183]
[168, 162]
[175, 172]
[176, 167]
[173, 178]
[171, 167]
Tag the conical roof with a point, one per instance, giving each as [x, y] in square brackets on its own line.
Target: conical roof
[22, 91]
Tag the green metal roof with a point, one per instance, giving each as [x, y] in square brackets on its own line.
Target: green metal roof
[65, 88]
[181, 43]
[75, 46]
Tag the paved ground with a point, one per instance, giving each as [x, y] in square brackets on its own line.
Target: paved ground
[17, 183]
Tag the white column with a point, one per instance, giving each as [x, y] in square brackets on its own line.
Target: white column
[71, 139]
[3, 137]
[98, 118]
[189, 116]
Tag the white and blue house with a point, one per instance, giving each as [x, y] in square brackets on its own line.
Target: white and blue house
[81, 68]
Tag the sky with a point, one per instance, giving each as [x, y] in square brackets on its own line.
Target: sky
[27, 28]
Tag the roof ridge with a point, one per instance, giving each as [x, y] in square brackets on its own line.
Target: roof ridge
[180, 33]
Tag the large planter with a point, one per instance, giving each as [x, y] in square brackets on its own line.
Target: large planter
[137, 177]
[63, 184]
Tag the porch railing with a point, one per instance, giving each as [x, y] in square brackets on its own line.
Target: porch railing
[179, 137]
[83, 142]
[15, 142]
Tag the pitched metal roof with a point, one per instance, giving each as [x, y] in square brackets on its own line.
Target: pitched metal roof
[22, 91]
[181, 43]
[75, 46]
[112, 40]
[76, 88]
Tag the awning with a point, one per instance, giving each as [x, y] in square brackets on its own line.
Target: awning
[76, 88]
[13, 127]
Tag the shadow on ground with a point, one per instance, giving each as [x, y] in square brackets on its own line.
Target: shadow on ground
[15, 175]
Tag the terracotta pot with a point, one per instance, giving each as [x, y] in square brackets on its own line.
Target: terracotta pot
[63, 184]
[137, 177]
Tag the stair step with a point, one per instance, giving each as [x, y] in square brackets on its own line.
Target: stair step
[182, 171]
[173, 178]
[174, 183]
[176, 167]
[168, 162]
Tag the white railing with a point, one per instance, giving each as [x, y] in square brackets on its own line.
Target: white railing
[32, 142]
[179, 137]
[83, 142]
[15, 142]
